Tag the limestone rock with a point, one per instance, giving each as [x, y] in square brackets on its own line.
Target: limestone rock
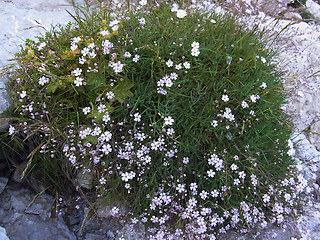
[3, 234]
[314, 135]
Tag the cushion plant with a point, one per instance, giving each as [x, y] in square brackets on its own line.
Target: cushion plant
[171, 109]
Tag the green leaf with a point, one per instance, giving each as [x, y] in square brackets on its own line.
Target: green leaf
[122, 90]
[52, 86]
[92, 139]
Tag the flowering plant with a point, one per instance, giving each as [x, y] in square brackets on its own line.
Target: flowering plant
[175, 111]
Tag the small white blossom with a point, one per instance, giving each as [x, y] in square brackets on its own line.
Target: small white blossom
[186, 65]
[142, 21]
[195, 52]
[214, 123]
[78, 81]
[244, 104]
[137, 117]
[41, 46]
[127, 54]
[136, 58]
[178, 66]
[23, 94]
[266, 198]
[143, 2]
[185, 160]
[181, 13]
[225, 98]
[211, 173]
[110, 95]
[11, 130]
[77, 72]
[175, 7]
[169, 63]
[195, 45]
[104, 32]
[168, 121]
[86, 110]
[43, 80]
[263, 85]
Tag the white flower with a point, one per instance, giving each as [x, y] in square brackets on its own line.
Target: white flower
[82, 60]
[263, 85]
[211, 173]
[127, 54]
[181, 13]
[41, 46]
[143, 2]
[180, 188]
[43, 80]
[91, 46]
[244, 104]
[136, 58]
[102, 180]
[101, 108]
[137, 117]
[168, 121]
[234, 167]
[195, 45]
[76, 40]
[185, 160]
[115, 28]
[169, 63]
[85, 51]
[242, 174]
[110, 95]
[204, 195]
[178, 66]
[86, 110]
[23, 94]
[78, 81]
[106, 149]
[73, 47]
[225, 98]
[104, 32]
[77, 72]
[117, 67]
[175, 7]
[266, 198]
[11, 130]
[253, 98]
[186, 65]
[195, 52]
[170, 131]
[214, 123]
[114, 22]
[106, 117]
[142, 21]
[114, 211]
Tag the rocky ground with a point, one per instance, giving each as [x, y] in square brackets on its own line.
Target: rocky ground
[26, 214]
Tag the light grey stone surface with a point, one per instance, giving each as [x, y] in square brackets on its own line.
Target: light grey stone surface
[27, 217]
[3, 234]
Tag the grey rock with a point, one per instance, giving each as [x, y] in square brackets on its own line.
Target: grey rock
[3, 234]
[132, 232]
[314, 135]
[3, 183]
[104, 211]
[110, 234]
[27, 216]
[84, 179]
